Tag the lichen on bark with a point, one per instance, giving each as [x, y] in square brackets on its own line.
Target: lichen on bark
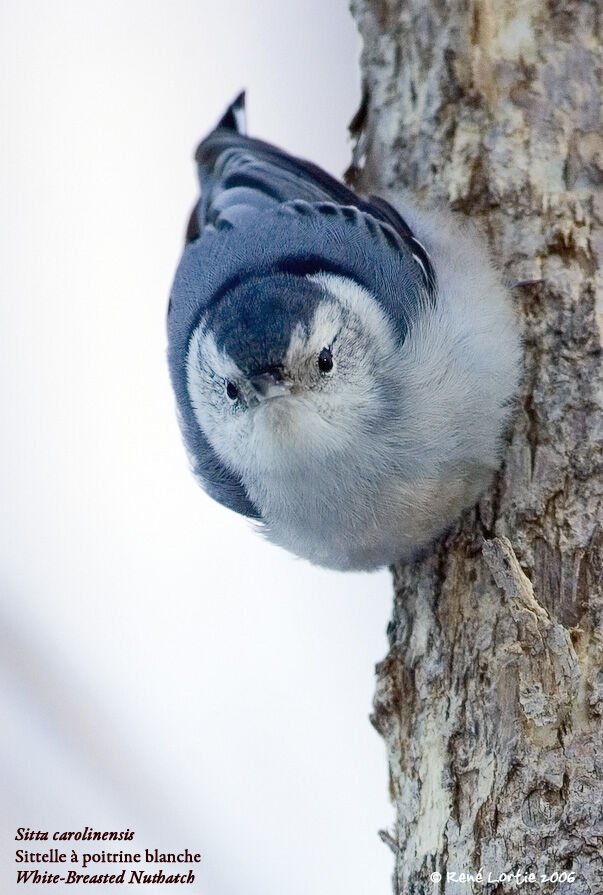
[490, 700]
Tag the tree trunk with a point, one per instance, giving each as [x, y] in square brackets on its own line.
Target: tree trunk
[490, 700]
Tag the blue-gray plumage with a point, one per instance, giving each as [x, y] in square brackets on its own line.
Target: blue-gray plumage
[342, 370]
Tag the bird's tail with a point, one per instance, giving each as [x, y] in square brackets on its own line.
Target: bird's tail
[234, 118]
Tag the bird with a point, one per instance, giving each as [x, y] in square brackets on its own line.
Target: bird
[344, 366]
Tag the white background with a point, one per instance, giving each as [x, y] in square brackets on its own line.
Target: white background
[162, 667]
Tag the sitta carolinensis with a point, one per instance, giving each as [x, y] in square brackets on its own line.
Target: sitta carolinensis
[343, 370]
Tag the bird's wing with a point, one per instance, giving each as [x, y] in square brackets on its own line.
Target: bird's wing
[236, 170]
[240, 176]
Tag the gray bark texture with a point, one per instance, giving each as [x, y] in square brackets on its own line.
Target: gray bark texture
[490, 700]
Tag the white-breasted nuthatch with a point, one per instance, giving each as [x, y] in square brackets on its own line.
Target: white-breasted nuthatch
[343, 370]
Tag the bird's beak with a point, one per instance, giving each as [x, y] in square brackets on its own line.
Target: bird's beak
[267, 385]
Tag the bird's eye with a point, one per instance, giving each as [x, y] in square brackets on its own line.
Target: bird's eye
[325, 361]
[232, 390]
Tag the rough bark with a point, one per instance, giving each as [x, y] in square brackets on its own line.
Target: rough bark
[490, 700]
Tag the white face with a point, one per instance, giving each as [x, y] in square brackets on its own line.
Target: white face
[323, 405]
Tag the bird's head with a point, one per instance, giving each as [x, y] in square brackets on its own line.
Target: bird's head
[285, 371]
